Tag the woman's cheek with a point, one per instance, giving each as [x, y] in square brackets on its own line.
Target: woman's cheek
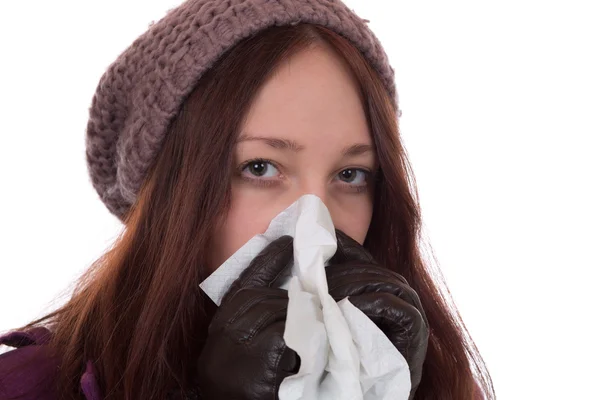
[355, 225]
[252, 210]
[250, 214]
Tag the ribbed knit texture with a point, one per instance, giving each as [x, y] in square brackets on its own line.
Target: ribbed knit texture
[141, 92]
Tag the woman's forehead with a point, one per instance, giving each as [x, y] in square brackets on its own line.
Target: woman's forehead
[313, 96]
[287, 144]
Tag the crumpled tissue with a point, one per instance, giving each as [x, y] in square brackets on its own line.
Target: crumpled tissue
[343, 354]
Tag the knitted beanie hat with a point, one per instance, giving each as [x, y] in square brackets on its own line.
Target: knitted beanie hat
[141, 92]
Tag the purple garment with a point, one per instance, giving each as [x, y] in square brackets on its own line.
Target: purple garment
[31, 345]
[35, 380]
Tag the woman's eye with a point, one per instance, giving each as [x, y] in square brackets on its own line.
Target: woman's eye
[353, 179]
[261, 168]
[349, 176]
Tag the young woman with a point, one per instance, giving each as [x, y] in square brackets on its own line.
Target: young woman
[212, 122]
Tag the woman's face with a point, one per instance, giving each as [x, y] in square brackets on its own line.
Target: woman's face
[306, 132]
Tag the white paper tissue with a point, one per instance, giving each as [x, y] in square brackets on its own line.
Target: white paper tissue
[343, 354]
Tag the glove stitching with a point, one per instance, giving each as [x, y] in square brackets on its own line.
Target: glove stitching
[249, 304]
[405, 289]
[346, 269]
[262, 322]
[404, 331]
[268, 260]
[275, 391]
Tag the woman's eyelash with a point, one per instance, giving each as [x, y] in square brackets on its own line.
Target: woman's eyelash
[271, 182]
[248, 163]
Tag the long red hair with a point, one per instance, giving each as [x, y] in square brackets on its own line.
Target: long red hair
[138, 312]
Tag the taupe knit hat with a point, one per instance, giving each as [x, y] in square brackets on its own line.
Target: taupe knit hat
[141, 92]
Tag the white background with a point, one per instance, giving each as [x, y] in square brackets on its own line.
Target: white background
[500, 118]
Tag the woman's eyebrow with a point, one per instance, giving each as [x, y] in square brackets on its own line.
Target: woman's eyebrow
[357, 149]
[287, 144]
[277, 143]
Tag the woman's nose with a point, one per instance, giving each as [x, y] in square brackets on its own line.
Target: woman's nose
[319, 188]
[313, 186]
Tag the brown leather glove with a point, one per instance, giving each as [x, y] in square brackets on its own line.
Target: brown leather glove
[385, 297]
[245, 356]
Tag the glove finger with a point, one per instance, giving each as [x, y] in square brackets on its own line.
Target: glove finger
[247, 348]
[267, 268]
[402, 323]
[364, 284]
[349, 249]
[354, 285]
[336, 272]
[290, 363]
[287, 361]
[349, 280]
[278, 359]
[257, 366]
[249, 309]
